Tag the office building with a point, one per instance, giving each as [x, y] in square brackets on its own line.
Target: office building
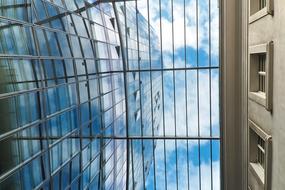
[69, 84]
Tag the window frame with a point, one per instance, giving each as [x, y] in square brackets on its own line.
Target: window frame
[257, 96]
[260, 13]
[257, 173]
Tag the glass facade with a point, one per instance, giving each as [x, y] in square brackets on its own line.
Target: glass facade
[62, 94]
[101, 95]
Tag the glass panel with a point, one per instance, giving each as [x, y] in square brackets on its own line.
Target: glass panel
[98, 95]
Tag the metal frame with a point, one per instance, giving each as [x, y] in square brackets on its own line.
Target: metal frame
[128, 138]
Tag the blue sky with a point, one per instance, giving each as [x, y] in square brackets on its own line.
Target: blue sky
[206, 56]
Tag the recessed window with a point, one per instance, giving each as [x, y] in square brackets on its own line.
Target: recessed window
[259, 9]
[261, 72]
[260, 152]
[260, 79]
[259, 157]
[262, 4]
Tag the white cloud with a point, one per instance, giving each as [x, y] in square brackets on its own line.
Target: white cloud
[192, 103]
[194, 177]
[178, 24]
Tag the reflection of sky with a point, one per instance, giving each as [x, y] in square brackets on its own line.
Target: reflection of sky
[205, 160]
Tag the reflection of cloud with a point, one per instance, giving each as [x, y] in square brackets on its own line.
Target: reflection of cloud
[193, 166]
[199, 97]
[178, 23]
[192, 103]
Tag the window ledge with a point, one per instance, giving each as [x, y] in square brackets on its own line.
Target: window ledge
[258, 97]
[267, 10]
[258, 15]
[257, 170]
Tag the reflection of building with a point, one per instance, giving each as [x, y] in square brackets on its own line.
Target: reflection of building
[69, 75]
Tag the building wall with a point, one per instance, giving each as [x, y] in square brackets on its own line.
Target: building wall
[271, 28]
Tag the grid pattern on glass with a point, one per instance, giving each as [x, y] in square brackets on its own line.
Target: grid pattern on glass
[260, 151]
[110, 95]
[188, 74]
[261, 72]
[61, 89]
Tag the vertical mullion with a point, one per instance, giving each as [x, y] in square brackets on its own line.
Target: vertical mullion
[186, 102]
[100, 184]
[151, 94]
[79, 101]
[127, 95]
[43, 110]
[139, 68]
[210, 93]
[174, 94]
[162, 81]
[125, 60]
[132, 161]
[112, 75]
[198, 99]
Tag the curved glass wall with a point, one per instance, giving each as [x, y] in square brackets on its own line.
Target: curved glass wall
[63, 95]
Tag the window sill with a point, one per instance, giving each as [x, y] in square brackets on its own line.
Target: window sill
[257, 170]
[258, 15]
[258, 97]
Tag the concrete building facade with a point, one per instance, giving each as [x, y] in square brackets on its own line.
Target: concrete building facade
[266, 28]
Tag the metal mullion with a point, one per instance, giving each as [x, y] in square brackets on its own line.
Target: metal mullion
[75, 12]
[100, 183]
[41, 115]
[174, 92]
[162, 85]
[112, 80]
[37, 122]
[49, 51]
[151, 94]
[220, 99]
[19, 166]
[198, 99]
[68, 162]
[132, 161]
[33, 157]
[15, 6]
[210, 91]
[44, 105]
[126, 94]
[78, 93]
[61, 53]
[9, 56]
[18, 143]
[139, 68]
[68, 135]
[186, 96]
[34, 9]
[125, 89]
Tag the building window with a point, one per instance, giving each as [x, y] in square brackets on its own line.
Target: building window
[259, 9]
[259, 157]
[262, 4]
[260, 151]
[260, 71]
